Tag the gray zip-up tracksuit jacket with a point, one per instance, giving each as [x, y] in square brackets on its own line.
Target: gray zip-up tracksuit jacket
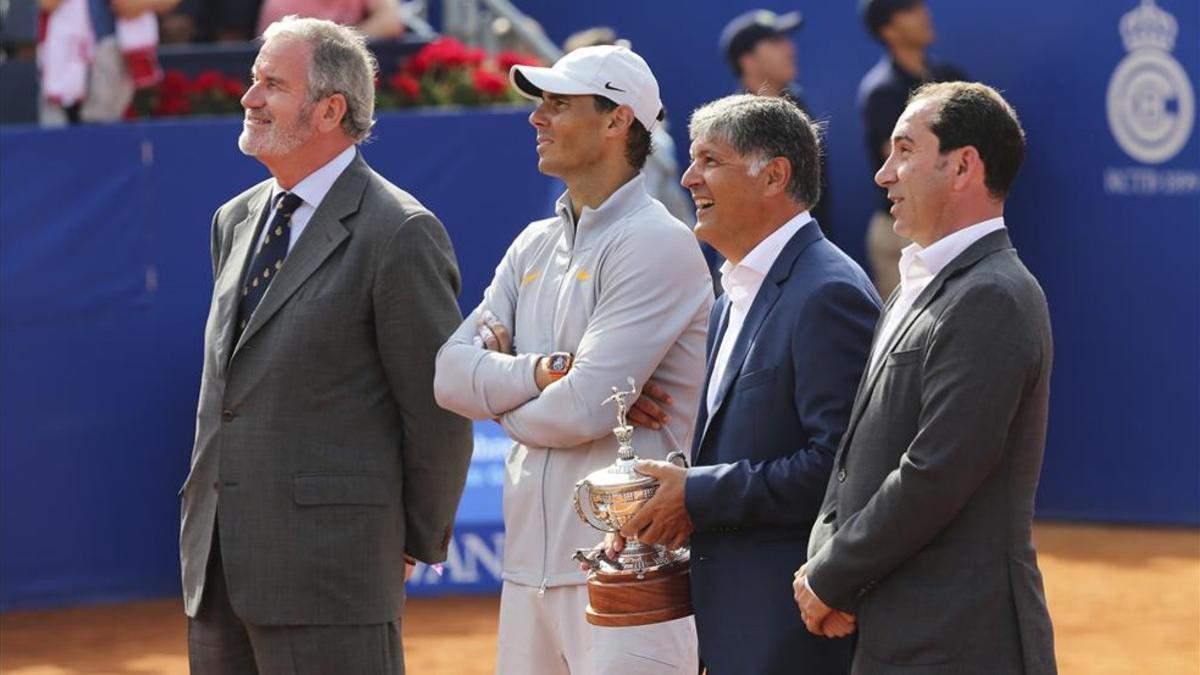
[627, 291]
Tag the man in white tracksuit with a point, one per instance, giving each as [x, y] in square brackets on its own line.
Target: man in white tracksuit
[611, 287]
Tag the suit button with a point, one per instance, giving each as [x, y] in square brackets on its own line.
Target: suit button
[216, 486]
[227, 416]
[842, 475]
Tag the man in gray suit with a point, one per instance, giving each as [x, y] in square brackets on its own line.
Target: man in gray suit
[923, 543]
[322, 463]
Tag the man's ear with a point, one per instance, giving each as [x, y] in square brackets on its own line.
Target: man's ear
[331, 112]
[620, 120]
[967, 167]
[778, 173]
[887, 34]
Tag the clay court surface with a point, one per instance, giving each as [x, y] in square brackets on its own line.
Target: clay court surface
[1124, 600]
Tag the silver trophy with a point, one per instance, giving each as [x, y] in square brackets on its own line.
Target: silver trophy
[606, 500]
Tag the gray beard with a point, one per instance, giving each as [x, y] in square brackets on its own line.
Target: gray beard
[278, 141]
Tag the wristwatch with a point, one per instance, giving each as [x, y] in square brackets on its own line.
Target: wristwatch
[558, 363]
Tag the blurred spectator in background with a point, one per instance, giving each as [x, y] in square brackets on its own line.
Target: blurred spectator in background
[758, 46]
[18, 28]
[243, 20]
[905, 28]
[662, 168]
[212, 21]
[373, 18]
[94, 54]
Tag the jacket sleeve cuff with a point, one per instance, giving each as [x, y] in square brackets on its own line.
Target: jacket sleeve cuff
[699, 497]
[819, 582]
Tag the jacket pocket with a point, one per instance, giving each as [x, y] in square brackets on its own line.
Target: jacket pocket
[318, 489]
[905, 357]
[756, 378]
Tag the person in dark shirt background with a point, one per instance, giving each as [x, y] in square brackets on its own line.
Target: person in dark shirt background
[905, 29]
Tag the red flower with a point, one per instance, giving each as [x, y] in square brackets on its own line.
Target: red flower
[418, 64]
[506, 60]
[489, 83]
[234, 88]
[446, 52]
[474, 57]
[172, 105]
[406, 85]
[208, 81]
[174, 84]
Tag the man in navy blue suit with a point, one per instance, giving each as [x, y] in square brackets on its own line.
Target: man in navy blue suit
[787, 343]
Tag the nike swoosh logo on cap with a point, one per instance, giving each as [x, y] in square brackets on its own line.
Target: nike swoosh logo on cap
[608, 85]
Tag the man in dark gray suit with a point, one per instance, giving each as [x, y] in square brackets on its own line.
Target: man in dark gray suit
[322, 463]
[923, 543]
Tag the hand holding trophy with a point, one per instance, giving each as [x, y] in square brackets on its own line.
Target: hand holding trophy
[645, 583]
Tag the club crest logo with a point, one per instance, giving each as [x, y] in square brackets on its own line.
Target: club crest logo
[1150, 103]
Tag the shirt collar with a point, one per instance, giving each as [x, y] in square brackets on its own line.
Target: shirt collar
[758, 262]
[763, 255]
[627, 197]
[917, 261]
[317, 184]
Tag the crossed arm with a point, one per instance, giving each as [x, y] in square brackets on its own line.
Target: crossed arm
[632, 326]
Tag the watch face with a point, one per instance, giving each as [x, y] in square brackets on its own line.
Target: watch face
[558, 363]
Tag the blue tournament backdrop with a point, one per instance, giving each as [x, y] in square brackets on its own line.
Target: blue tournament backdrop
[105, 276]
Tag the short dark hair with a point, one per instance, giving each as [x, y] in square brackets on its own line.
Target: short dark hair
[638, 147]
[763, 128]
[974, 114]
[876, 14]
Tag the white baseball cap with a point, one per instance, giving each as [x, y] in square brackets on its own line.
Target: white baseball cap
[610, 71]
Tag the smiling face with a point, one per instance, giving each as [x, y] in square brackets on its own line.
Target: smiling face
[918, 178]
[570, 134]
[279, 117]
[727, 197]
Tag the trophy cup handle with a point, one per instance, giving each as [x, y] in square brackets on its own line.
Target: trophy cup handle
[677, 455]
[582, 502]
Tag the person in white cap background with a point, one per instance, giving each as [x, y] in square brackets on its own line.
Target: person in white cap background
[611, 287]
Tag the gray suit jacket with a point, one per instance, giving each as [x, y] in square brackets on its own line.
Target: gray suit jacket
[925, 530]
[319, 447]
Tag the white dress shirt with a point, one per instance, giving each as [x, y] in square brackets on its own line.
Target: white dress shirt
[312, 190]
[918, 267]
[741, 283]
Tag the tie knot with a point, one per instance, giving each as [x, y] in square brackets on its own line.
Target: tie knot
[286, 203]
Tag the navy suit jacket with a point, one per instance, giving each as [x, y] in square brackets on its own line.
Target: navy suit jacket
[762, 456]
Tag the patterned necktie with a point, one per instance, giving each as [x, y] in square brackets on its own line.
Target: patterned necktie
[269, 259]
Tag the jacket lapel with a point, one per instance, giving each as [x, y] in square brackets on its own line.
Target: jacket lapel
[717, 323]
[768, 295]
[230, 280]
[321, 237]
[989, 244]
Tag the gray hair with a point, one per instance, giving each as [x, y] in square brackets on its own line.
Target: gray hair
[341, 64]
[761, 128]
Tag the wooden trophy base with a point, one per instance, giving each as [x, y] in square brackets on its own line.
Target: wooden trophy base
[620, 598]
